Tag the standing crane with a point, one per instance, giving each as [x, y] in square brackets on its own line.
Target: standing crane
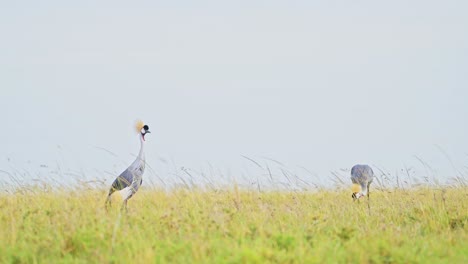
[130, 179]
[361, 176]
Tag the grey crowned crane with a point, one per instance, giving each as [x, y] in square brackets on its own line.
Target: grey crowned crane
[130, 180]
[361, 176]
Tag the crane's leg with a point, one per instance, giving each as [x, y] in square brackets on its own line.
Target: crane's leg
[368, 197]
[124, 206]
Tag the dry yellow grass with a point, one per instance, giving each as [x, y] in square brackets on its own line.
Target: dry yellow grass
[236, 226]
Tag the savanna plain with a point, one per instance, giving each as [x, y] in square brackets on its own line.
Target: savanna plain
[235, 225]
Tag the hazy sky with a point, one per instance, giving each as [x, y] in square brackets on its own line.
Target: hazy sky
[318, 84]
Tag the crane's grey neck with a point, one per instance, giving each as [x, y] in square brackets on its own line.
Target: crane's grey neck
[364, 189]
[141, 155]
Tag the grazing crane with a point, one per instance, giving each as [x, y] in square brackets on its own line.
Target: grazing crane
[130, 179]
[361, 176]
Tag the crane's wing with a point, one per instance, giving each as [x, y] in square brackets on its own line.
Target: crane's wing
[125, 179]
[354, 180]
[362, 174]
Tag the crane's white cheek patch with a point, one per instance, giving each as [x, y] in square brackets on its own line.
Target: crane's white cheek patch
[126, 192]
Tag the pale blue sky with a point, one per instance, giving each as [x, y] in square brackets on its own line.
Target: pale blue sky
[319, 84]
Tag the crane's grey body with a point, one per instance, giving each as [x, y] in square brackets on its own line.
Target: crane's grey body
[130, 180]
[362, 175]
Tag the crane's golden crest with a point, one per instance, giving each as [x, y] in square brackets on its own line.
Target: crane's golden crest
[356, 188]
[139, 125]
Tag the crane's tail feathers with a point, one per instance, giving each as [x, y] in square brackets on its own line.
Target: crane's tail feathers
[111, 191]
[108, 199]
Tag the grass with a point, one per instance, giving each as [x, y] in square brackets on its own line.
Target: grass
[423, 225]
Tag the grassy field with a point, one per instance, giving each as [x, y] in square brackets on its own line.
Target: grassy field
[236, 226]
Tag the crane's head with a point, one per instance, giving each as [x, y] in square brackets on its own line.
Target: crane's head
[142, 129]
[356, 188]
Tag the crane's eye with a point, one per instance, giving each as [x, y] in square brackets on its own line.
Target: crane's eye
[145, 127]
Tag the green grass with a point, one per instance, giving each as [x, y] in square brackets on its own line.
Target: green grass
[236, 226]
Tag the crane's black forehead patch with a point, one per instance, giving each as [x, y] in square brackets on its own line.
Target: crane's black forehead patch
[145, 127]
